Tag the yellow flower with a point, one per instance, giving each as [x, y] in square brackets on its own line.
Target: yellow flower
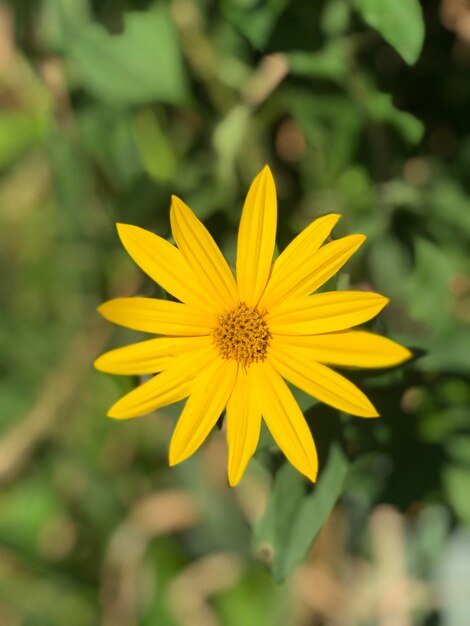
[229, 344]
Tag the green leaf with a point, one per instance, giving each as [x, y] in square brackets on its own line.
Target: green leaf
[254, 20]
[229, 136]
[458, 447]
[155, 151]
[429, 284]
[141, 65]
[380, 108]
[335, 17]
[26, 507]
[330, 63]
[456, 480]
[294, 517]
[20, 130]
[107, 135]
[400, 22]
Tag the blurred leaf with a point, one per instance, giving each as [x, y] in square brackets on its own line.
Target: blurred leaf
[26, 508]
[380, 108]
[448, 203]
[25, 108]
[331, 125]
[168, 560]
[142, 64]
[43, 597]
[293, 518]
[459, 448]
[456, 481]
[71, 176]
[389, 266]
[356, 189]
[437, 425]
[400, 22]
[19, 130]
[107, 135]
[450, 351]
[430, 540]
[255, 601]
[431, 298]
[335, 17]
[228, 138]
[156, 152]
[332, 62]
[52, 15]
[254, 20]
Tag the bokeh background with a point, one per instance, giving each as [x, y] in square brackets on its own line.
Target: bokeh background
[106, 108]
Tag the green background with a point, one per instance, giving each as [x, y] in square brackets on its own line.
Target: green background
[107, 108]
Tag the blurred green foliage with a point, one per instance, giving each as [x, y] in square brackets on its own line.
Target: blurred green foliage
[108, 107]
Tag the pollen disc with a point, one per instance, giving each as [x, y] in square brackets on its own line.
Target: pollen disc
[242, 334]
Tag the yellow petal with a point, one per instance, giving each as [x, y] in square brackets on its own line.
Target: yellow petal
[314, 271]
[163, 262]
[148, 357]
[256, 238]
[296, 366]
[350, 348]
[211, 391]
[243, 425]
[298, 253]
[170, 386]
[161, 317]
[324, 312]
[285, 419]
[203, 256]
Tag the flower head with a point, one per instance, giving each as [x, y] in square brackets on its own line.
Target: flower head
[230, 343]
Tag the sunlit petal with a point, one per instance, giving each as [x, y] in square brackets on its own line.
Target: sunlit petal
[211, 391]
[256, 238]
[325, 312]
[203, 256]
[350, 348]
[314, 271]
[149, 357]
[170, 386]
[243, 425]
[285, 420]
[161, 317]
[163, 262]
[299, 253]
[319, 381]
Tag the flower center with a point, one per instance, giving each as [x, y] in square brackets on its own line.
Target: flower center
[243, 335]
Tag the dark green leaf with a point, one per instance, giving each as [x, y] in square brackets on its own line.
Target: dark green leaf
[255, 22]
[294, 517]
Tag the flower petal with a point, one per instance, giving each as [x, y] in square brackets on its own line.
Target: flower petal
[211, 391]
[161, 317]
[243, 425]
[170, 386]
[285, 419]
[314, 271]
[148, 357]
[298, 253]
[325, 312]
[295, 365]
[163, 262]
[350, 348]
[256, 238]
[203, 256]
